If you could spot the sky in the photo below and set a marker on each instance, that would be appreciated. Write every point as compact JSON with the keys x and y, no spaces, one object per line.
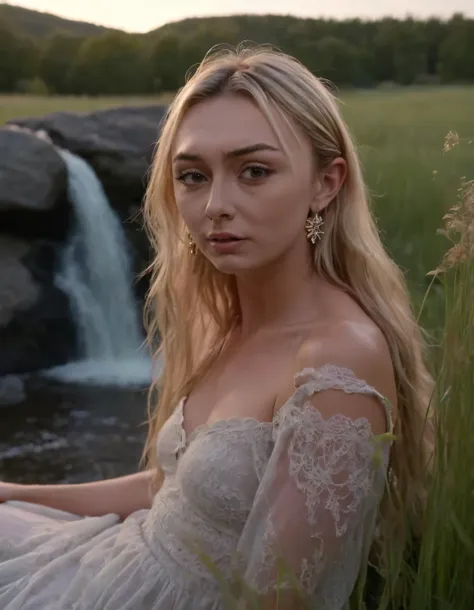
{"x":145,"y":15}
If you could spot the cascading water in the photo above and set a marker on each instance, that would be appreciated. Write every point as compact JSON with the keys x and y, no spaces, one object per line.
{"x":96,"y":275}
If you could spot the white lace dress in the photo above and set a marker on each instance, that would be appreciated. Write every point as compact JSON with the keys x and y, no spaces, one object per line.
{"x":239,"y":493}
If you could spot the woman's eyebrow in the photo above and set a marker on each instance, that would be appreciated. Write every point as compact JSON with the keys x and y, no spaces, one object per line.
{"x":238,"y":152}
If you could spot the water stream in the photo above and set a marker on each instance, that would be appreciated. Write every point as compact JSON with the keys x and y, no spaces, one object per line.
{"x":96,"y":275}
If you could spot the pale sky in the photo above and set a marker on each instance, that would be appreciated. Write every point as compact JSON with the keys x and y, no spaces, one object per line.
{"x":145,"y":15}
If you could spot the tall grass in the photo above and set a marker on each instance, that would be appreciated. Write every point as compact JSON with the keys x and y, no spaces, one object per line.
{"x":444,"y":575}
{"x":400,"y":135}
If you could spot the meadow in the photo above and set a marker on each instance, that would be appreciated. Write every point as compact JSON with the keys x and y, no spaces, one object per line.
{"x":414,"y":181}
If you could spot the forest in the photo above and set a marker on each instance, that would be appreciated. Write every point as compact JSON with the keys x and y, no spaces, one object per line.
{"x":42,"y":54}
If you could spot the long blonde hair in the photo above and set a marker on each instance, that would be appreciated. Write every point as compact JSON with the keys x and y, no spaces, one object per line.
{"x":194,"y":307}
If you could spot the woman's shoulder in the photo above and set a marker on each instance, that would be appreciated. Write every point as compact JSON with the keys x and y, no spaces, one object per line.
{"x":354,"y":343}
{"x":353,"y":346}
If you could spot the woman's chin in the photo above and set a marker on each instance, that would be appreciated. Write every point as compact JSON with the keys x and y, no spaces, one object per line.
{"x":228,"y":267}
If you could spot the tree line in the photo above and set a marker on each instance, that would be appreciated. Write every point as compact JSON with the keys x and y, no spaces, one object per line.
{"x":351,"y":53}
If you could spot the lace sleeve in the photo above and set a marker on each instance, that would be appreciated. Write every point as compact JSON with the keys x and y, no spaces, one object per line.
{"x":315,"y":509}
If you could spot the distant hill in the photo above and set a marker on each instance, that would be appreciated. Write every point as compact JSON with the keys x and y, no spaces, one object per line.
{"x":254,"y":27}
{"x":40,"y":25}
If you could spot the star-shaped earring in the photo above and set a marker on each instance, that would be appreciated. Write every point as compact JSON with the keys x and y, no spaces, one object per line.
{"x":313,"y":228}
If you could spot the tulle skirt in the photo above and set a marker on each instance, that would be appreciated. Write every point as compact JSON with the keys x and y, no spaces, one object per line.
{"x":54,"y":560}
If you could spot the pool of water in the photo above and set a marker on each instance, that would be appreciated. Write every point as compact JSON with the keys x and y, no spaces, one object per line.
{"x":66,"y":433}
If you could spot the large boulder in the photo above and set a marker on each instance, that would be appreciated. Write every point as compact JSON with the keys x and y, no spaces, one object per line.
{"x":118,"y":143}
{"x":33,"y":187}
{"x":32,"y":175}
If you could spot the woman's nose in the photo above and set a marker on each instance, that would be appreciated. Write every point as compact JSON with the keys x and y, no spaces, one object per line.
{"x":218,"y":203}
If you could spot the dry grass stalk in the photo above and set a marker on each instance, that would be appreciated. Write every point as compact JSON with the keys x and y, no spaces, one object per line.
{"x":450,"y":141}
{"x":459,"y":221}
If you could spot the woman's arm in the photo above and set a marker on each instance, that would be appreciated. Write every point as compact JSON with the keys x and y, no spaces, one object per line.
{"x":122,"y":495}
{"x":313,"y":519}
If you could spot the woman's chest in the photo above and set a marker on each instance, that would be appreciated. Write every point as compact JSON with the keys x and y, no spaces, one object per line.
{"x":245,"y":383}
{"x":218,"y":472}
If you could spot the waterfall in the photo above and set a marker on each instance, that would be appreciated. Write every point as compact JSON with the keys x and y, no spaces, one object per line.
{"x":95,"y":273}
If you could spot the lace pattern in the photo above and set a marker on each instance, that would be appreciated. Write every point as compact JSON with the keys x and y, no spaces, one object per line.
{"x":339,"y":469}
{"x":330,"y":377}
{"x":325,"y":474}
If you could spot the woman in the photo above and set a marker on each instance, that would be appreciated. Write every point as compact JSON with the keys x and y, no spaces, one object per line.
{"x":289,"y":352}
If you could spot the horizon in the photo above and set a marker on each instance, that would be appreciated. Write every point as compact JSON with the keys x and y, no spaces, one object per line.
{"x":107,"y":14}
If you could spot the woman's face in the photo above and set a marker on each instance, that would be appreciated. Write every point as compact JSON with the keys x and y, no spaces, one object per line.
{"x":232,"y":175}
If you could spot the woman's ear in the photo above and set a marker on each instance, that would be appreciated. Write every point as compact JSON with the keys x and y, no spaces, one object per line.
{"x":329,"y":183}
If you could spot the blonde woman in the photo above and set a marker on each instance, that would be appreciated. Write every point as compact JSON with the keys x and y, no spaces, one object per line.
{"x":290,"y":356}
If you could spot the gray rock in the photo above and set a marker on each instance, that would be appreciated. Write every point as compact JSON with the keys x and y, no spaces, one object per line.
{"x":32,"y":174}
{"x":12,"y":390}
{"x":36,"y":327}
{"x":18,"y":291}
{"x":40,"y":338}
{"x":118,"y":143}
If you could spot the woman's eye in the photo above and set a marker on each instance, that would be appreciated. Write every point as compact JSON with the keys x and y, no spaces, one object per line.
{"x":191,"y":178}
{"x":255,"y":172}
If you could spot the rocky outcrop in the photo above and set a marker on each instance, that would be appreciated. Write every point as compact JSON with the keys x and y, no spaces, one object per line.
{"x":118,"y":143}
{"x":35,"y":321}
{"x":36,"y":329}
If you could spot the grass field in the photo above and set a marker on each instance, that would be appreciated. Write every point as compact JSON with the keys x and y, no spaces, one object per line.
{"x":413,"y":183}
{"x":400,"y":134}
{"x":15,"y":106}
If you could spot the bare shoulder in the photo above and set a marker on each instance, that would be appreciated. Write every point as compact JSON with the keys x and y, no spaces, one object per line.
{"x":360,"y":347}
{"x":356,"y":345}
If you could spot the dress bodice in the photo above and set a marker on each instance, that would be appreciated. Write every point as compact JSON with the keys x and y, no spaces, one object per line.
{"x":211,"y":480}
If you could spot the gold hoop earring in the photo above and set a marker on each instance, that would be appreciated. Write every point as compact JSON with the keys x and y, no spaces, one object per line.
{"x":313,"y":228}
{"x":191,"y":244}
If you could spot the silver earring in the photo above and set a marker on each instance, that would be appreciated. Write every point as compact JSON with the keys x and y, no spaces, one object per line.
{"x":313,"y":228}
{"x":191,"y":244}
